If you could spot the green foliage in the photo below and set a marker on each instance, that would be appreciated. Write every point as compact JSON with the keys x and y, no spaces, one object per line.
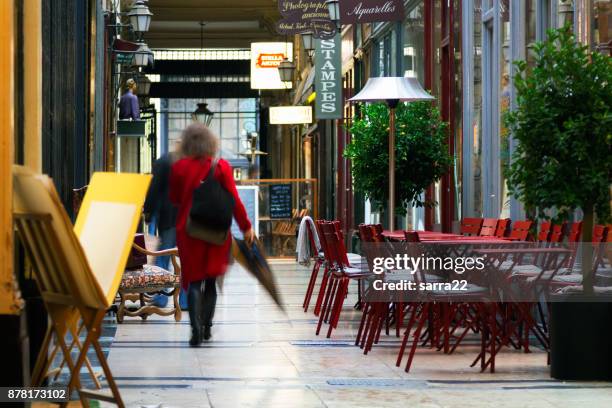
{"x":421,"y":153}
{"x":563,"y":127}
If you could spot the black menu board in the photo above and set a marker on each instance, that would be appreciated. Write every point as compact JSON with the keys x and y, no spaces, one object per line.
{"x":280,"y":200}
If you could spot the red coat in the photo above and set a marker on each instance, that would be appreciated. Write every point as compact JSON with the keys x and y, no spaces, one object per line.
{"x":200,"y":259}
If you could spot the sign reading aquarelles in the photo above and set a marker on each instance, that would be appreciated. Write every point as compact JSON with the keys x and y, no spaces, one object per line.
{"x":369,"y":11}
{"x":302,"y":16}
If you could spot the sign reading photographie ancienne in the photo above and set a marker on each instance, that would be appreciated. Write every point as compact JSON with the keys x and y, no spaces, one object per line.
{"x":328,"y":78}
{"x":370,"y":11}
{"x":299,"y":16}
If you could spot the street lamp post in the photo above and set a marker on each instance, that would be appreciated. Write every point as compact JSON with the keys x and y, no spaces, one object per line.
{"x":286,"y":70}
{"x":333,"y":6}
{"x":309,"y":45}
{"x":392,"y":90}
{"x":202,"y":114}
{"x":140,"y":17}
{"x":142,"y":55}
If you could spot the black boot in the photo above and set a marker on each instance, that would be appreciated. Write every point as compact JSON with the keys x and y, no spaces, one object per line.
{"x":194,"y":297}
{"x":209,"y":301}
{"x":206,"y":332}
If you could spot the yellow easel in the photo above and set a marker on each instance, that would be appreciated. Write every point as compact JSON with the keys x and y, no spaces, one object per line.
{"x":67,"y":281}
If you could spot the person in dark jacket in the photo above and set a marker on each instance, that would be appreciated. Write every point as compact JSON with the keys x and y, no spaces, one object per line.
{"x":129,"y":107}
{"x":158,"y":207}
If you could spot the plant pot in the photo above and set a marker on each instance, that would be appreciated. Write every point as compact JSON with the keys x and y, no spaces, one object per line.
{"x":580,"y":334}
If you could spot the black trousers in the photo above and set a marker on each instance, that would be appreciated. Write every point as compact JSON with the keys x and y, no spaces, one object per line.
{"x":202,"y":299}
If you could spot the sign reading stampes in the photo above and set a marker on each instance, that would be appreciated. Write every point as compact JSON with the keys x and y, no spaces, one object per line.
{"x":369,"y":11}
{"x":328,"y":78}
{"x":299,"y":16}
{"x":265,"y":58}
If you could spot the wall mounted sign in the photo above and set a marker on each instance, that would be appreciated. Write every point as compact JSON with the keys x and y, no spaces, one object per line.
{"x":299,"y":16}
{"x":280,"y":200}
{"x":265,"y":57}
{"x":369,"y":11}
{"x":290,"y":115}
{"x":328,"y":78}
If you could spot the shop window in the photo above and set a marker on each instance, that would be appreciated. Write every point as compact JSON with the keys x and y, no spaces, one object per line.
{"x":232,"y":116}
{"x":413,"y":47}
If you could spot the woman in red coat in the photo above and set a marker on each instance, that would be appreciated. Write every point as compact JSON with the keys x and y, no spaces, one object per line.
{"x":202,"y":262}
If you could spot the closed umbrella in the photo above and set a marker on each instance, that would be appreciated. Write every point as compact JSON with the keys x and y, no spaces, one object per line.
{"x":253,"y":259}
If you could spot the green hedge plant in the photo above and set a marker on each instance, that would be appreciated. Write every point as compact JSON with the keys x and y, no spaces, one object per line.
{"x":421,"y":152}
{"x":563,"y":127}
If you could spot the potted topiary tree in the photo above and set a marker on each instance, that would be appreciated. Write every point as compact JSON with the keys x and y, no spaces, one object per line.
{"x":563,"y":160}
{"x":420,"y":149}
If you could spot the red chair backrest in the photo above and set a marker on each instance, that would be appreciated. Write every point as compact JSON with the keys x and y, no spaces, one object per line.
{"x":333,"y":245}
{"x":320,"y":230}
{"x":503,"y":226}
{"x":575,"y":232}
{"x":471,"y":226}
{"x":377,"y":232}
{"x":365,"y":233}
{"x":412,"y":236}
{"x":573,"y":237}
{"x":544,"y":233}
{"x":557,"y":232}
{"x":378,"y":228}
{"x":600,"y":233}
{"x":520,"y":230}
{"x":489,"y":227}
{"x":341,"y":247}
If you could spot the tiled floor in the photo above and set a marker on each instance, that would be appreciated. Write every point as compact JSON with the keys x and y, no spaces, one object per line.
{"x":260,"y":357}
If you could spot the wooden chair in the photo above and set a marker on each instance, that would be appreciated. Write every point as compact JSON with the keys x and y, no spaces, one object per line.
{"x":142,"y":278}
{"x":66,"y":283}
{"x":470,"y":226}
{"x":284,"y":233}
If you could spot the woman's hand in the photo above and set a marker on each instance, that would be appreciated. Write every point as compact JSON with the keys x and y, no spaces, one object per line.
{"x":249,"y":236}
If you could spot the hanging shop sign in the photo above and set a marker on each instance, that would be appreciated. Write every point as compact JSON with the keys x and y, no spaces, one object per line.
{"x":290,"y":115}
{"x":299,"y":16}
{"x":328,"y":78}
{"x":265,"y":58}
{"x":369,"y":11}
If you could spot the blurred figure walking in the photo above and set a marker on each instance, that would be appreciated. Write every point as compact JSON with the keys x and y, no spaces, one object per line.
{"x":162,"y":211}
{"x":201,"y":261}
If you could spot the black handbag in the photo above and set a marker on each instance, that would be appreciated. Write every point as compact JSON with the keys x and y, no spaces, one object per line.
{"x":212,"y":209}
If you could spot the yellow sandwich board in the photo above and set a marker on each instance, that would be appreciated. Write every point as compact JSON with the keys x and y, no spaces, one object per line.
{"x":107,"y":222}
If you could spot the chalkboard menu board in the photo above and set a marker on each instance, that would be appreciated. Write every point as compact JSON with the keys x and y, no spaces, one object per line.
{"x":250,"y":198}
{"x":280,"y":200}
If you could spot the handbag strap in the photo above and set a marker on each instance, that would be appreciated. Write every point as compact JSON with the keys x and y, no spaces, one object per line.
{"x":211,"y":172}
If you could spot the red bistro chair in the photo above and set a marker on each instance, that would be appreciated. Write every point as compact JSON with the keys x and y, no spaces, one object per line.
{"x":489,"y":227}
{"x":340,"y":275}
{"x":471,"y":226}
{"x":520,"y":230}
{"x":503,"y":226}
{"x":319,"y":260}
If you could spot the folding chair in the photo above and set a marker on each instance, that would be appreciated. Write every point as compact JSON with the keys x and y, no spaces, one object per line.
{"x":65,"y":280}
